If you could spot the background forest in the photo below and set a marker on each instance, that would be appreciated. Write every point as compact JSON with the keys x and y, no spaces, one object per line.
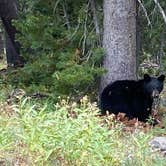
{"x":62,"y":45}
{"x":49,"y":111}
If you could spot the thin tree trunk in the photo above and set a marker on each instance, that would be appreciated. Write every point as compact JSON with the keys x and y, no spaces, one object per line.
{"x":1,"y":41}
{"x":66,"y":15}
{"x":9,"y":11}
{"x":119,"y":40}
{"x":138,"y":36}
{"x":93,"y":8}
{"x":95,"y":19}
{"x":161,"y":51}
{"x":12,"y":47}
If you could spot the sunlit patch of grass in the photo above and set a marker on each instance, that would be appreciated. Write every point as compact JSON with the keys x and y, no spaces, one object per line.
{"x":69,"y":134}
{"x":3,"y":63}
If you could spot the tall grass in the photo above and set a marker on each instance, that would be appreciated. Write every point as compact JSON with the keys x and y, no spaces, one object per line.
{"x":69,"y":134}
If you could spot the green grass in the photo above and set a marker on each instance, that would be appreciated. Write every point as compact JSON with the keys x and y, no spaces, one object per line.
{"x":69,"y":134}
{"x":3,"y":61}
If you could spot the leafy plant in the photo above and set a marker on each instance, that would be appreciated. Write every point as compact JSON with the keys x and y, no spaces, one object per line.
{"x":60,"y":46}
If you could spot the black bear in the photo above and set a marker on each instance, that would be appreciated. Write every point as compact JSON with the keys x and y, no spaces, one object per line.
{"x":134,"y":98}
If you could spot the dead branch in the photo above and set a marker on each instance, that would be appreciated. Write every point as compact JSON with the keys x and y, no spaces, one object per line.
{"x":65,"y":14}
{"x":145,"y":11}
{"x":161,"y":10}
{"x":96,"y":23}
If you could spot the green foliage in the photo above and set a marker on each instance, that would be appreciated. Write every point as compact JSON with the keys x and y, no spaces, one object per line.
{"x":63,"y":52}
{"x":69,"y":134}
{"x":60,"y":46}
{"x":152,"y":36}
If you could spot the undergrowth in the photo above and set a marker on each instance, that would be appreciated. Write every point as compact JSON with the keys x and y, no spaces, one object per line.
{"x":66,"y":133}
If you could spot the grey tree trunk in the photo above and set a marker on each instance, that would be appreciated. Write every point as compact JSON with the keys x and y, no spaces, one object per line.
{"x":119,"y":40}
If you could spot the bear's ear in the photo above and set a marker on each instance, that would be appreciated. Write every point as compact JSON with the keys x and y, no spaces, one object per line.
{"x":161,"y":78}
{"x":147,"y":77}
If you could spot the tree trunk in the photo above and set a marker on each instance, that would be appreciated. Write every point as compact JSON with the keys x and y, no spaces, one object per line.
{"x":1,"y":42}
{"x":138,"y":37}
{"x":119,"y":40}
{"x":93,"y":8}
{"x":95,"y":19}
{"x":12,"y":47}
{"x":8,"y":11}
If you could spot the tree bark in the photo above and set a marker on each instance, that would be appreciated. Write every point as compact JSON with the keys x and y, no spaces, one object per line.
{"x":119,"y":40}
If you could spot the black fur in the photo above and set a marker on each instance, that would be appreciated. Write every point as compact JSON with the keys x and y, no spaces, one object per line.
{"x":134,"y":98}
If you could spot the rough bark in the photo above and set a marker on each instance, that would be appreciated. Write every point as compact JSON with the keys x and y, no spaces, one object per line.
{"x":119,"y":40}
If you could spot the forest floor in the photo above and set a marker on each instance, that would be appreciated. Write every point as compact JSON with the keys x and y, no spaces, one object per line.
{"x":34,"y":130}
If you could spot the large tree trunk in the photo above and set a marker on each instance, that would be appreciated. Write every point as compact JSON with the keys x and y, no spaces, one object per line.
{"x":119,"y":40}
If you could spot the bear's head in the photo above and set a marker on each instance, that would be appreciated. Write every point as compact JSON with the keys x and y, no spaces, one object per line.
{"x":153,"y":86}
